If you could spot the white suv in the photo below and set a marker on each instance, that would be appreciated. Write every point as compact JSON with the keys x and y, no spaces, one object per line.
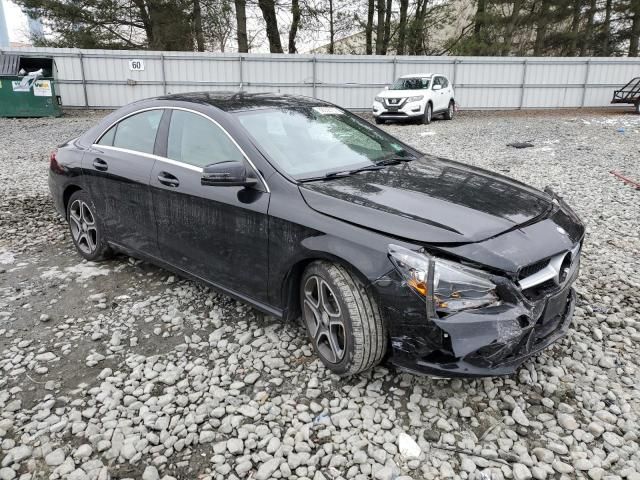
{"x":417,"y":96}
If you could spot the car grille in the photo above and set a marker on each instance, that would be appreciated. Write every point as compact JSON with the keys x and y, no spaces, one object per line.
{"x":533,"y":268}
{"x":550,"y":274}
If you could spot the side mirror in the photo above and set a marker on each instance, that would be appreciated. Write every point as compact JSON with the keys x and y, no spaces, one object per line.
{"x":437,"y":87}
{"x":227,"y":174}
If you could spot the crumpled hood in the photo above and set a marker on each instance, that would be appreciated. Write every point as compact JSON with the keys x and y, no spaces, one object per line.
{"x":429,"y":200}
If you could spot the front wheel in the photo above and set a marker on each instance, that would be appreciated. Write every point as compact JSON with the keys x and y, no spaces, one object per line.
{"x":428,"y":114}
{"x":448,"y":115}
{"x":342,"y":319}
{"x":638,"y":108}
{"x":86,"y":228}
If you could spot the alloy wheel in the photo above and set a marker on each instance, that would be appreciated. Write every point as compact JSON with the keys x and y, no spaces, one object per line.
{"x":83,"y":227}
{"x":323,"y":316}
{"x":450,"y":110}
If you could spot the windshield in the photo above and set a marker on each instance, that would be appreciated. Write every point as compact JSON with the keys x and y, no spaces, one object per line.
{"x":309,"y":142}
{"x":417,"y":83}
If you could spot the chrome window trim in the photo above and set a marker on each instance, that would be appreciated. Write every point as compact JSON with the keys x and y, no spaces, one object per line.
{"x":148,"y":155}
{"x":169,"y":160}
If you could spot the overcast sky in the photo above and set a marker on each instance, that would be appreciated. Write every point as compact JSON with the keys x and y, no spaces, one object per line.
{"x":16,"y":22}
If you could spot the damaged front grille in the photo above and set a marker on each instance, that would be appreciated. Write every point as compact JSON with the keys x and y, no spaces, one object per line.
{"x":533,"y":268}
{"x":548,"y":274}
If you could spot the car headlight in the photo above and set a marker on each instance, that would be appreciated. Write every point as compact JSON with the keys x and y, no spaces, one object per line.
{"x":447,"y":287}
{"x":378,"y":99}
{"x":415,"y":99}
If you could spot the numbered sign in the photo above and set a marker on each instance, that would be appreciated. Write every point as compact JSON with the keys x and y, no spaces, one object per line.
{"x":136,"y":65}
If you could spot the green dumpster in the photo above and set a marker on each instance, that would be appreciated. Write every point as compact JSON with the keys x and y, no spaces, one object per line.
{"x":28,"y":87}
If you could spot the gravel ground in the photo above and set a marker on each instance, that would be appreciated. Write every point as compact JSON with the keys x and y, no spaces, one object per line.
{"x":121,"y":370}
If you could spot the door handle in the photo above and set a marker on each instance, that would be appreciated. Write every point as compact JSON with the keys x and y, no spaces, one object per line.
{"x":167,"y":179}
{"x":100,"y":164}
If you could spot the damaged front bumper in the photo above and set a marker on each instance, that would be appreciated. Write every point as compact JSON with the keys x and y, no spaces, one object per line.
{"x":491,"y":341}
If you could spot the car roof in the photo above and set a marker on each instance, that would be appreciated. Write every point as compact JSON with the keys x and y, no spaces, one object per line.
{"x":238,"y":101}
{"x":421,"y":75}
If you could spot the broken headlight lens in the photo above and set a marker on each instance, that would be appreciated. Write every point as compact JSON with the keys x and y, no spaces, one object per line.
{"x":448,"y":287}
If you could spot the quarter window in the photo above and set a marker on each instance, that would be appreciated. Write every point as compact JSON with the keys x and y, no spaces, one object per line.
{"x":195,"y":140}
{"x":137,"y":132}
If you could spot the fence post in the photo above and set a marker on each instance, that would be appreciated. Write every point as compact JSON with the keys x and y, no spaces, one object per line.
{"x":395,"y":64}
{"x":455,"y":71}
{"x":164,"y":78}
{"x":314,"y":76}
{"x":84,"y":82}
{"x":241,"y":75}
{"x":523,"y":84}
{"x":584,"y":85}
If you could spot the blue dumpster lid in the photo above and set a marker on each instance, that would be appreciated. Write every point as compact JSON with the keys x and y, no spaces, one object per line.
{"x":9,"y":64}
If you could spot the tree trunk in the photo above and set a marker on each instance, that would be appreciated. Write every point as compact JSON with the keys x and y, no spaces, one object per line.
{"x":511,"y":26}
{"x":332,"y":45}
{"x":635,"y":28}
{"x":146,"y":21}
{"x":197,"y":25}
{"x":295,"y":22}
{"x":478,"y":27}
{"x":541,"y":28}
{"x":606,"y":29}
{"x":572,"y":48}
{"x":402,"y":26}
{"x":585,"y":48}
{"x":369,"y":27}
{"x":268,"y":8}
{"x":380,"y":28}
{"x":241,"y":26}
{"x":387,"y":28}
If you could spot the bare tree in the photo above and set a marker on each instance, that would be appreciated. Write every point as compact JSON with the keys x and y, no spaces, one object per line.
{"x":402,"y":27}
{"x":380,"y":27}
{"x":268,"y":8}
{"x":295,"y":23}
{"x":387,"y":27}
{"x":369,"y":27}
{"x":241,"y":25}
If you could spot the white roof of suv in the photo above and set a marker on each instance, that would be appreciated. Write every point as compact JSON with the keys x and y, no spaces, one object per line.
{"x":422,"y":75}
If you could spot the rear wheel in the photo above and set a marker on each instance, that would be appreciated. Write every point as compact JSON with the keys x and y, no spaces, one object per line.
{"x":86,"y":228}
{"x":428,"y":114}
{"x":638,"y":107}
{"x":448,"y":115}
{"x":342,"y":319}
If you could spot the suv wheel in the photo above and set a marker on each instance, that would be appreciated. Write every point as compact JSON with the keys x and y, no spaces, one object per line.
{"x":86,"y":228}
{"x":428,"y":114}
{"x":638,"y":107}
{"x":379,"y":121}
{"x":448,"y":115}
{"x":342,"y":319}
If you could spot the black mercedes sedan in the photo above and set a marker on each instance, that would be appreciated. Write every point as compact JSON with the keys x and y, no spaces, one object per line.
{"x":305,"y":210}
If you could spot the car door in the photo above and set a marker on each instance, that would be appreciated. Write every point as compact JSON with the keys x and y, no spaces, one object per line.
{"x":439,"y":101}
{"x":117,"y":168}
{"x":217,"y":233}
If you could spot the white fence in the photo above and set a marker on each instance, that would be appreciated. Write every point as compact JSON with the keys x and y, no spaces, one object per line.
{"x":104,"y":78}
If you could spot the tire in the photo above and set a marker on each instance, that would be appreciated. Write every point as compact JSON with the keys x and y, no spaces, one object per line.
{"x":342,"y":319}
{"x":379,"y":121}
{"x":86,"y":228}
{"x":428,"y":114}
{"x":637,"y":108}
{"x":448,"y":115}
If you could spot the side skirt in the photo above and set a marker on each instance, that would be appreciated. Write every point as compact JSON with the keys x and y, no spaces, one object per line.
{"x":263,"y":307}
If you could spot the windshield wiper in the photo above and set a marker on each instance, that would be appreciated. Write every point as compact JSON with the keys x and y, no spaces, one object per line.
{"x":379,"y":165}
